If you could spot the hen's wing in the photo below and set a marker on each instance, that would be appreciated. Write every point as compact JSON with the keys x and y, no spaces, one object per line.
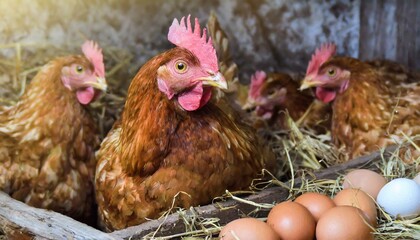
{"x":15,"y":175}
{"x":406,"y":108}
{"x":404,"y":88}
{"x":67,"y":173}
{"x":16,"y":172}
{"x":109,"y":173}
{"x":7,"y":145}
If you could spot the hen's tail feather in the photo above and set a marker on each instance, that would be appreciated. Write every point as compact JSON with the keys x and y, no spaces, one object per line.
{"x":236,"y":92}
{"x":221,"y":43}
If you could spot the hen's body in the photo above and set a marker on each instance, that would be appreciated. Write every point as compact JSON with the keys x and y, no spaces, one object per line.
{"x":47,"y":143}
{"x":158,"y":150}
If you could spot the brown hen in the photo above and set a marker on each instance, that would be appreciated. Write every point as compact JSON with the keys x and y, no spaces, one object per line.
{"x":274,"y":94}
{"x":375,"y":103}
{"x":48,"y":139}
{"x":172,"y":143}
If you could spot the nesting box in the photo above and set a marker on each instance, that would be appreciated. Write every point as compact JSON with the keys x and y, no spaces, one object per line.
{"x":277,"y":35}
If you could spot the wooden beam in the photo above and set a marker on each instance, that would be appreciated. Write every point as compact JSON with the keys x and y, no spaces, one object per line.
{"x":408,"y":32}
{"x":20,"y":221}
{"x":230,"y":209}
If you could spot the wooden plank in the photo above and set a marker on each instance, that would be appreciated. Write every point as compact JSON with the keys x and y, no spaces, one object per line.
{"x":230,"y":210}
{"x":390,"y":29}
{"x":20,"y":221}
{"x":408,"y":34}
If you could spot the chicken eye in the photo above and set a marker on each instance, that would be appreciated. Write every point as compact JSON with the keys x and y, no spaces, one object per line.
{"x":331,"y":72}
{"x":271,"y":92}
{"x":79,"y":69}
{"x":181,"y":66}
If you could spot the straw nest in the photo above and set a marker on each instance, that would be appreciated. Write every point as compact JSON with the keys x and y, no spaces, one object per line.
{"x":302,"y":150}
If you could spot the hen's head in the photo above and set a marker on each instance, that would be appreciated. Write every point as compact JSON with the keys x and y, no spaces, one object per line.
{"x":192,"y":70}
{"x":85,"y":75}
{"x":328,"y":77}
{"x":267,"y":93}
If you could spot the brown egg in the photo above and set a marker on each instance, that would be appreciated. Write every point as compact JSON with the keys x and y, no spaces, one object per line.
{"x":343,"y":222}
{"x":247,"y":229}
{"x":292,"y":221}
{"x":357,"y":198}
{"x":316,"y":203}
{"x":368,"y":181}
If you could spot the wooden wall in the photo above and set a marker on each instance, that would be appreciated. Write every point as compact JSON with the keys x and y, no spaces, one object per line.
{"x":271,"y":35}
{"x":390,"y":29}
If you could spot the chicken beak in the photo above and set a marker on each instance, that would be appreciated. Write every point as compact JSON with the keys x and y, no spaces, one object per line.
{"x":99,"y":84}
{"x":215,"y":80}
{"x":308,"y":82}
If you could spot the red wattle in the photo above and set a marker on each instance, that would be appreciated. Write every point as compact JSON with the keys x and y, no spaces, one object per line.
{"x":326,"y":95}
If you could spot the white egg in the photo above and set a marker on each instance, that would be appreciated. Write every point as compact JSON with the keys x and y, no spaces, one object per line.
{"x":400,"y":198}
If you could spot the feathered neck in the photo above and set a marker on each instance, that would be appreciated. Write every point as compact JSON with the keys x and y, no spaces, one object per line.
{"x":148,"y":119}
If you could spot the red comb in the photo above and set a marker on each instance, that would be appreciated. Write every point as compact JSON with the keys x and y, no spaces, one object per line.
{"x":257,"y":81}
{"x":320,"y":56}
{"x":184,"y":36}
{"x":92,"y":52}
